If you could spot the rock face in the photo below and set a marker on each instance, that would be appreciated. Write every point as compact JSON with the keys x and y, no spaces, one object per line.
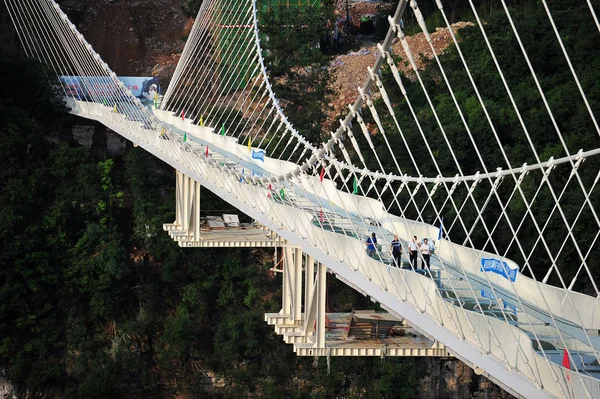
{"x":136,"y":38}
{"x":452,"y":379}
{"x":350,"y":69}
{"x":103,"y":141}
{"x":7,"y":389}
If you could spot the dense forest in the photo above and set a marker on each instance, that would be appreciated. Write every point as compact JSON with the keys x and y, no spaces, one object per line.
{"x":455,"y":149}
{"x":97,"y":301}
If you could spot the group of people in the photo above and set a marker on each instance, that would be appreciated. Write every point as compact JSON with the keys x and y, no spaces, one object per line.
{"x":414,"y":248}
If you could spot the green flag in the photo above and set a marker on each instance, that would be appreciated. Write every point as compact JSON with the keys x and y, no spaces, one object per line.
{"x":282,"y":193}
{"x":223,"y":130}
{"x":355,"y":186}
{"x":184,"y":137}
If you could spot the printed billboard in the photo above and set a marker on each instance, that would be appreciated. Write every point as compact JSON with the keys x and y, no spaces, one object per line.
{"x":101,"y":88}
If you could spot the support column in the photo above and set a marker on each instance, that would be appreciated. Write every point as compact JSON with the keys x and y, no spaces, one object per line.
{"x":321,"y":293}
{"x":185,"y":188}
{"x":196,"y":212}
{"x":314,"y":320}
{"x":187,"y":228}
{"x":179,"y":208}
{"x":288,"y":273}
{"x":309,"y":281}
{"x":297,"y":287}
{"x":187,"y":206}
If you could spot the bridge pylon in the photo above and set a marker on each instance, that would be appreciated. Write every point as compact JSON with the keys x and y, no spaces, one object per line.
{"x":315,"y":332}
{"x":190,"y":229}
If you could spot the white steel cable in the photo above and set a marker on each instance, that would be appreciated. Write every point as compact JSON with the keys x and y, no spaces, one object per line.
{"x":522,"y":124}
{"x":230,"y":52}
{"x":193,"y":40}
{"x":575,"y":243}
{"x":231,"y":78}
{"x":190,"y":59}
{"x":565,"y":241}
{"x":244,"y":96}
{"x":568,"y":59}
{"x":196,"y":76}
{"x":208,"y":79}
{"x":589,"y":3}
{"x":451,"y":92}
{"x":415,"y":69}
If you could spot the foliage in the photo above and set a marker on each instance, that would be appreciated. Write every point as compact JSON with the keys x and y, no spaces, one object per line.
{"x":294,"y":41}
{"x":191,"y":7}
{"x":563,"y":98}
{"x":96,"y":300}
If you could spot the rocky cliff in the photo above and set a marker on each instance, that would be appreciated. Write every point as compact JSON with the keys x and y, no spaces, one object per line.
{"x":136,"y":38}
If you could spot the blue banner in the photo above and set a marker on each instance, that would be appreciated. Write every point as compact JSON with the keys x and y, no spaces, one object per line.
{"x":487,"y":295}
{"x":507,"y":305}
{"x":259,"y":155}
{"x":499,"y":267}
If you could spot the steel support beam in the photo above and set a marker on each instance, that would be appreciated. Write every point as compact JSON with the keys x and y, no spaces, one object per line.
{"x":297,"y":286}
{"x":321,"y":298}
{"x":187,"y":207}
{"x":186,"y":229}
{"x":309,"y":280}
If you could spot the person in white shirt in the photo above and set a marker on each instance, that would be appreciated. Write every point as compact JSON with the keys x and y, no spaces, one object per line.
{"x":425,"y":249}
{"x":413,"y":248}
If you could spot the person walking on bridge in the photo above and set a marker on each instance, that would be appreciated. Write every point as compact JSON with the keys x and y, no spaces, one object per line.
{"x":426,"y":250}
{"x":371,"y":242}
{"x":413,"y":248}
{"x":397,"y":251}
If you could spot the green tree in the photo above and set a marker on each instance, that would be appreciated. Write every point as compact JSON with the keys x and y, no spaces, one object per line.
{"x":297,"y":64}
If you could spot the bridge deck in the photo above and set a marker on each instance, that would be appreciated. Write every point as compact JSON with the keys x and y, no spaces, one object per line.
{"x":454,"y":284}
{"x":340,"y":242}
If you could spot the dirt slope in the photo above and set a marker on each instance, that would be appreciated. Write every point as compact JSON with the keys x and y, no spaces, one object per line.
{"x":351,"y":69}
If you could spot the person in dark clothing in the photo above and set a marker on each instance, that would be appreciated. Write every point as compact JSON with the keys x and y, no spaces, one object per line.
{"x":397,"y":251}
{"x":371,"y":242}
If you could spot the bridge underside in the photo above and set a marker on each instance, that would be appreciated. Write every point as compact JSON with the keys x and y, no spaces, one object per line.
{"x":360,"y":333}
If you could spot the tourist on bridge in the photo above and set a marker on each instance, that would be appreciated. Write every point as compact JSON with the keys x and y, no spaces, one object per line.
{"x":426,"y":249}
{"x":397,"y":251}
{"x":371,"y":242}
{"x":413,"y":248}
